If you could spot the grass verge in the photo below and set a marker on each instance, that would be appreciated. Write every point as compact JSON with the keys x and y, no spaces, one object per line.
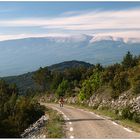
{"x":55,"y":124}
{"x":131,"y":124}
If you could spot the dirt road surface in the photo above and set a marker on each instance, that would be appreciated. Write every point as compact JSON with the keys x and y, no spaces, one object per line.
{"x":85,"y":124}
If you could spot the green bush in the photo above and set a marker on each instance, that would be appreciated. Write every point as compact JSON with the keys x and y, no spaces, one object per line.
{"x":85,"y":91}
{"x":129,"y":61}
{"x":115,"y":94}
{"x":136,"y":87}
{"x":16,"y":112}
{"x":136,"y":84}
{"x":126,"y":114}
{"x":62,"y":88}
{"x":136,"y":117}
{"x":120,"y":83}
{"x":90,"y":86}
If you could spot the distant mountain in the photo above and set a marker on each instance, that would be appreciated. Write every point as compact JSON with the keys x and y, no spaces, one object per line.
{"x":25,"y":81}
{"x":68,"y":64}
{"x":28,"y":54}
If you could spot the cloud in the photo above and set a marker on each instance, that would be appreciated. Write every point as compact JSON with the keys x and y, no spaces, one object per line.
{"x":98,"y":20}
{"x":123,"y":34}
{"x":19,"y":36}
{"x":85,"y":22}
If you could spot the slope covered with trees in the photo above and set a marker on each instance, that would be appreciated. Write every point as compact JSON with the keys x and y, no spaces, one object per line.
{"x":119,"y":77}
{"x":16,"y":112}
{"x":25,"y":82}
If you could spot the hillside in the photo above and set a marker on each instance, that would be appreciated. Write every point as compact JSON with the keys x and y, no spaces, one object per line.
{"x":68,"y":64}
{"x":25,"y":81}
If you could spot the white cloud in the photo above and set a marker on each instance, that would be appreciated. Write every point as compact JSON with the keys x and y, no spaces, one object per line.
{"x":88,"y":20}
{"x":123,"y":34}
{"x":93,"y":20}
{"x":84,"y":22}
{"x":19,"y":36}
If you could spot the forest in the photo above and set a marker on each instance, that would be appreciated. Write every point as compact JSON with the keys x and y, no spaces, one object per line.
{"x":118,"y":77}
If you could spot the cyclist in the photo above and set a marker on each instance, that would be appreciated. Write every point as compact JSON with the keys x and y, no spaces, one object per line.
{"x":61,"y":101}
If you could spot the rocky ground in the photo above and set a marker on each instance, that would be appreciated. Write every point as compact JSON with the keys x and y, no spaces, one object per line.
{"x":36,"y":130}
{"x":97,"y":101}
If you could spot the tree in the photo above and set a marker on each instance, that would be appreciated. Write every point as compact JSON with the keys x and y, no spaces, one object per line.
{"x":136,"y":83}
{"x":86,"y":90}
{"x":110,"y":72}
{"x":74,"y":73}
{"x":16,"y":112}
{"x":13,"y":88}
{"x":4,"y":91}
{"x":62,"y":88}
{"x":98,"y":67}
{"x":120,"y":83}
{"x":129,"y":61}
{"x":41,"y":77}
{"x":90,"y":86}
{"x":57,"y":78}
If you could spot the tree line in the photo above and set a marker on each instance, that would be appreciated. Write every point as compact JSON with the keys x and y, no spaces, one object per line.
{"x":118,"y":77}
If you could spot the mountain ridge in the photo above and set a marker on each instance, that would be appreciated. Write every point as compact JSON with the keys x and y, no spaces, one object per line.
{"x":25,"y":81}
{"x":81,"y":37}
{"x":23,"y":55}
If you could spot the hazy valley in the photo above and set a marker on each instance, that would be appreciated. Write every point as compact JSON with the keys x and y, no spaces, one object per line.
{"x":40,"y":52}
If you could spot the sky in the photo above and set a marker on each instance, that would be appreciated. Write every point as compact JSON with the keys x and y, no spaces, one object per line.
{"x":40,"y":19}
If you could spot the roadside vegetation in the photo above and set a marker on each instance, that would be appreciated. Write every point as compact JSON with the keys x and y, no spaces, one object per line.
{"x":55,"y":125}
{"x":16,"y":112}
{"x":118,"y":77}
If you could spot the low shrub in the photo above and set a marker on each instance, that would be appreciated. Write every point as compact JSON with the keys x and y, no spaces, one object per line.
{"x":136,"y":87}
{"x":136,"y":117}
{"x":126,"y":114}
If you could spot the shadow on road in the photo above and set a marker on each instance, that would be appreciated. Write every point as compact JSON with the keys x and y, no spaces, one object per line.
{"x":75,"y":120}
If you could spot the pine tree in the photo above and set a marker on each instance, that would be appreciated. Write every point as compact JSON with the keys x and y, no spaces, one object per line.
{"x":129,"y":61}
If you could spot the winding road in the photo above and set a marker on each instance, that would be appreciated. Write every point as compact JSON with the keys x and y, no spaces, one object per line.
{"x":85,"y":124}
